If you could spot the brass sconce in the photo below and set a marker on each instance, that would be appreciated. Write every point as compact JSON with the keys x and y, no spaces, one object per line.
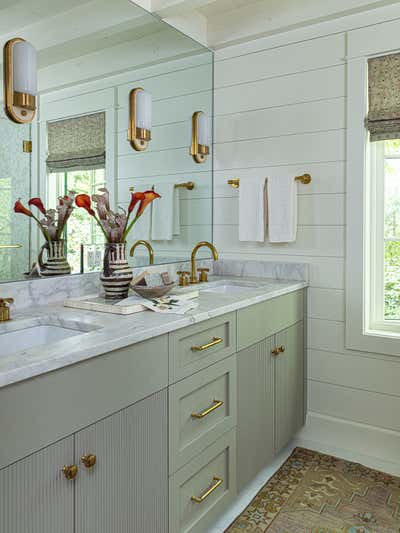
{"x":140,"y":108}
{"x":199,"y":148}
{"x":20,"y":80}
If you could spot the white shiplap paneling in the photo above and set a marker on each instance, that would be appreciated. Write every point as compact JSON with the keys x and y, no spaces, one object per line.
{"x":279,"y":111}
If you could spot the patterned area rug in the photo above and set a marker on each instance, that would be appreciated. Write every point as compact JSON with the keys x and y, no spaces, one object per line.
{"x":317,"y":493}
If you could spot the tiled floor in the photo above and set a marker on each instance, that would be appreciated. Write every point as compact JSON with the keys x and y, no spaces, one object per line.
{"x":245,"y":497}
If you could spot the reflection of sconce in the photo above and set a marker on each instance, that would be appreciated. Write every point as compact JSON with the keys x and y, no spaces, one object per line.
{"x":20,"y":80}
{"x":139,"y":132}
{"x":200,"y":137}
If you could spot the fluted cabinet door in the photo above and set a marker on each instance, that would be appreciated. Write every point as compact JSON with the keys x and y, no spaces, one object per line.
{"x":255,"y":400}
{"x":127,"y":489}
{"x":289,"y":385}
{"x":35,"y":497}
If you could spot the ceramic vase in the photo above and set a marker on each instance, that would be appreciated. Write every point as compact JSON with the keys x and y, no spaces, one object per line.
{"x":117,"y":274}
{"x":56,"y":263}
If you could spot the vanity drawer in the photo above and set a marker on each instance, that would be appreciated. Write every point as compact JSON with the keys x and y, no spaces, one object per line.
{"x":201,"y":490}
{"x":259,"y":321}
{"x":193,"y":348}
{"x":201,"y":409}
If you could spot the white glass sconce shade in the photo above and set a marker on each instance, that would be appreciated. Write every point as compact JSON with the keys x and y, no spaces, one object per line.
{"x":200,"y":141}
{"x":203,"y":131}
{"x":143,"y":110}
{"x":24,"y":68}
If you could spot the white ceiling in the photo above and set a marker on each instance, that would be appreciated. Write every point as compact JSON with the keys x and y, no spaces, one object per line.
{"x":219,"y":23}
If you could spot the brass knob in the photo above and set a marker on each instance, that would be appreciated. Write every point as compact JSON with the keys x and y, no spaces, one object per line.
{"x":275,"y":351}
{"x":203,"y":274}
{"x":281,"y":348}
{"x":89,"y":460}
{"x":70,"y":472}
{"x":183,"y":278}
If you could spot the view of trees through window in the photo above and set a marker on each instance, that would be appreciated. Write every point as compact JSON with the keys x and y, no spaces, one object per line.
{"x":392,"y":229}
{"x":81,"y":228}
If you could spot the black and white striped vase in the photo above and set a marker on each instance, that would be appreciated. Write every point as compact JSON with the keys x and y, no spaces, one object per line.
{"x":56,"y":263}
{"x":117,"y":274}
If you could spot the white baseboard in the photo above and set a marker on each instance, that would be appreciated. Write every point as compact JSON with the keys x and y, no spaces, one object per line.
{"x":375,"y":447}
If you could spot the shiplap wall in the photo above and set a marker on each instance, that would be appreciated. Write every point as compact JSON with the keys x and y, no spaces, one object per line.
{"x":281,"y":110}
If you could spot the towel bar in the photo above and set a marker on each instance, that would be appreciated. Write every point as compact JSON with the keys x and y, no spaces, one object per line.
{"x":189,"y":185}
{"x":305,"y":179}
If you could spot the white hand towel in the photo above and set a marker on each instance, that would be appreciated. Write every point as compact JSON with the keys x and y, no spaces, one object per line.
{"x":166,"y":213}
{"x":282,"y":209}
{"x":252,"y":210}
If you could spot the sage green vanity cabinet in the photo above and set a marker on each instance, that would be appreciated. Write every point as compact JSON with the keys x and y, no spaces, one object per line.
{"x":126,"y":491}
{"x":289,"y":385}
{"x":270,"y":396}
{"x":255,"y":400}
{"x":35,"y":497}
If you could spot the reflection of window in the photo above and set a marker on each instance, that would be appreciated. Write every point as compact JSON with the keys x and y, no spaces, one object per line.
{"x":385,"y":235}
{"x":76,"y":162}
{"x":81,"y":228}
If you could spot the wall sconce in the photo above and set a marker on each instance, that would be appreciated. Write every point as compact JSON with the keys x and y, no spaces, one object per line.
{"x":20,"y":80}
{"x":200,"y":137}
{"x":140,"y":108}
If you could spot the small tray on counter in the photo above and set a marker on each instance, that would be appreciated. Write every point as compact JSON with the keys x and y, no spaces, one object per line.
{"x":94,"y":302}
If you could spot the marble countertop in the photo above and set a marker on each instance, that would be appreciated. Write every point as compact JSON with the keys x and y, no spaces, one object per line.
{"x":104,"y":332}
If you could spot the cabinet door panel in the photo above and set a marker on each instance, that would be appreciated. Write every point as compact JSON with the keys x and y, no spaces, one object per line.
{"x":35,"y":497}
{"x":255,"y":431}
{"x":127,"y":490}
{"x":289,"y":385}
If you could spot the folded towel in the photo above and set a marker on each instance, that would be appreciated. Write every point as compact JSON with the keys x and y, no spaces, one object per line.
{"x":166,"y":213}
{"x":282,"y":209}
{"x":252,"y":209}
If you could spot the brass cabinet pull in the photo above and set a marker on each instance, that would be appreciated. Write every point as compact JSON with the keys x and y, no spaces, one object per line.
{"x":275,"y":351}
{"x":214,"y":342}
{"x":200,"y":499}
{"x":281,"y":348}
{"x":278,"y":349}
{"x":70,"y":472}
{"x":215,"y":405}
{"x":89,"y":460}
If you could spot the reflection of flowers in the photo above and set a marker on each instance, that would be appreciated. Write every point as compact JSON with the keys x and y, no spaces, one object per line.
{"x":115,"y":225}
{"x":54,"y":221}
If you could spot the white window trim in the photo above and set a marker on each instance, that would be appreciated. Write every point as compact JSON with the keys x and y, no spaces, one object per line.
{"x":358,"y":336}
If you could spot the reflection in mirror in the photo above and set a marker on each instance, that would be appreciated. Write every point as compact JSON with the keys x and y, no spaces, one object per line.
{"x":90,"y":57}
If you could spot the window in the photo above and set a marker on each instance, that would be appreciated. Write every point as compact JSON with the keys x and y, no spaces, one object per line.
{"x":76,"y":162}
{"x":81,"y":228}
{"x":372,"y":321}
{"x":384,"y":248}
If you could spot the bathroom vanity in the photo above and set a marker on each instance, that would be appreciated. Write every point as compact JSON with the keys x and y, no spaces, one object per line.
{"x":151,"y":423}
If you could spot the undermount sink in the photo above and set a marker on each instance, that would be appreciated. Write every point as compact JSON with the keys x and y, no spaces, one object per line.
{"x":231,"y":287}
{"x":33,"y":336}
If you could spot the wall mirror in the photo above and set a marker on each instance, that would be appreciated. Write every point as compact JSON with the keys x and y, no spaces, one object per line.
{"x":90,"y":130}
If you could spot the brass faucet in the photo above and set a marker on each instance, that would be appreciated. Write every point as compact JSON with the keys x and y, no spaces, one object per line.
{"x":146,"y":245}
{"x":4,"y":309}
{"x":193,"y":277}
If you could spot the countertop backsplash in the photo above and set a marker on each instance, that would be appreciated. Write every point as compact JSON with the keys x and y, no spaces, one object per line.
{"x":35,"y":292}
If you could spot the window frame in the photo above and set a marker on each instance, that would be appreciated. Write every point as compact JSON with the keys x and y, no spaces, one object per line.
{"x":359,"y":333}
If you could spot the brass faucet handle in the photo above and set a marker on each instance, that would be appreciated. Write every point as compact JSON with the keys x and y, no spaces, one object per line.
{"x":203,"y":274}
{"x":4,"y":301}
{"x":183,"y":278}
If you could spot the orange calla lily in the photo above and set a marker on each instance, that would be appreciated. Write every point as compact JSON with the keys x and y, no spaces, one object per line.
{"x":83,"y":200}
{"x":37,"y":202}
{"x":19,"y":208}
{"x":136,"y":197}
{"x":149,"y":196}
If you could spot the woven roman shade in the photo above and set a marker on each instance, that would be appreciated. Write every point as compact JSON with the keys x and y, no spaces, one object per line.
{"x":76,"y":143}
{"x":383,"y":121}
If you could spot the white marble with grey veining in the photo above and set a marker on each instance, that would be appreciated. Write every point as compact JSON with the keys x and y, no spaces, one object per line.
{"x":262,"y":269}
{"x":104,"y":332}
